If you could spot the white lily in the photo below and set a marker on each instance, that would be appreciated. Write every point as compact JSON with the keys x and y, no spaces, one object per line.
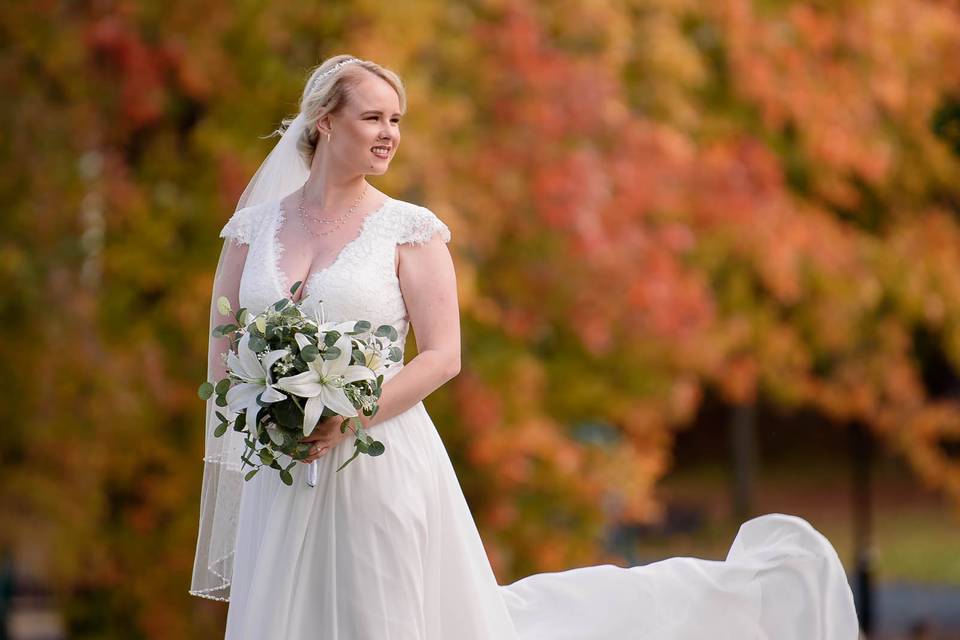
{"x":256,"y":379}
{"x":374,"y":358}
{"x":323,"y":382}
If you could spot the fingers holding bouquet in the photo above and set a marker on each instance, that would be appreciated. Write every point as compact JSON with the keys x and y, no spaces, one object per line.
{"x":325,"y":436}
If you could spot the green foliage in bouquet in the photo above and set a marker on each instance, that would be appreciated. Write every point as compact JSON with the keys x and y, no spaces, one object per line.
{"x":290,"y":371}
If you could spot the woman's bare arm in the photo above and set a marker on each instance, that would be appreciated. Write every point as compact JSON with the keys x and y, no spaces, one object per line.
{"x":429,"y":286}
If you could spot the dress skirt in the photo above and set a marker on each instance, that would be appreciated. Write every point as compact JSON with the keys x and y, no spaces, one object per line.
{"x":387,"y":549}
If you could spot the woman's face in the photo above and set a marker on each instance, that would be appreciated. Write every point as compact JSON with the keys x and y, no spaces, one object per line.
{"x":365,"y":134}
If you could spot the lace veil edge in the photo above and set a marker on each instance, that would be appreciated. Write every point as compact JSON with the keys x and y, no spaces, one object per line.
{"x":282,"y":172}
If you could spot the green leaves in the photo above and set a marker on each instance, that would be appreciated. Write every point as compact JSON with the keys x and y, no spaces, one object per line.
{"x":310,"y":353}
{"x":361,"y":326}
{"x":222,"y":427}
{"x":205,"y":391}
{"x":330,"y":338}
{"x":222,"y":330}
{"x":266,"y":456}
{"x":332,"y":353}
{"x":386,"y":331}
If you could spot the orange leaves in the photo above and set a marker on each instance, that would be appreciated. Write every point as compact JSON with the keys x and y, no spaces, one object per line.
{"x":733,"y":195}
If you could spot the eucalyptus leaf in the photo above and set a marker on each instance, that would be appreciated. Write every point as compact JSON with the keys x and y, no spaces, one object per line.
{"x":220,"y":430}
{"x":362,"y":326}
{"x":332,"y":353}
{"x":221,"y":401}
{"x":386,"y":331}
{"x":331,"y":337}
{"x":286,"y":477}
{"x":356,"y":452}
{"x":287,"y":414}
{"x":227,"y":328}
{"x":223,"y":386}
{"x":205,"y":391}
{"x":257,"y":343}
{"x":250,"y":474}
{"x":310,"y":353}
{"x":376,"y":448}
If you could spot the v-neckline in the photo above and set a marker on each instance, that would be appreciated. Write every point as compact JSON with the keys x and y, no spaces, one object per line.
{"x":280,"y":275}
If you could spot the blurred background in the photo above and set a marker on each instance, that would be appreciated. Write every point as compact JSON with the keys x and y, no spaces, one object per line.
{"x":708,"y":257}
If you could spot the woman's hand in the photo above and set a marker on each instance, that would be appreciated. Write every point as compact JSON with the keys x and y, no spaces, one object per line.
{"x":326,"y":435}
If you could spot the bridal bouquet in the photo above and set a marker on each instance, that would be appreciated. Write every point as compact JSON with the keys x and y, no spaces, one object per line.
{"x":286,"y":371}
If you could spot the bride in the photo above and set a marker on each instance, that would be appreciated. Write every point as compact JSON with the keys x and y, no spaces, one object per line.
{"x":387,"y":549}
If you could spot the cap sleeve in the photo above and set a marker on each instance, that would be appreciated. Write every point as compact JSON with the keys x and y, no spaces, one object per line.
{"x":419,"y":225}
{"x":239,"y":227}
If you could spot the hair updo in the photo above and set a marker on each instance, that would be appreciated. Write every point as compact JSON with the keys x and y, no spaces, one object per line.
{"x":329,"y":95}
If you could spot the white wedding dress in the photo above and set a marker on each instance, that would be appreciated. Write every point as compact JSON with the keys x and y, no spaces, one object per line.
{"x":387,"y":548}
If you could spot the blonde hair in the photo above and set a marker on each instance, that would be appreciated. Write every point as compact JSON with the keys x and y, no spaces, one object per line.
{"x":328,"y":94}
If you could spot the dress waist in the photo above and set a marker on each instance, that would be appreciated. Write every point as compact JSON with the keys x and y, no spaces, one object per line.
{"x":392,"y":370}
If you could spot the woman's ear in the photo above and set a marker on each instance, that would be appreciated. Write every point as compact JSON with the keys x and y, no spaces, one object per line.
{"x":323,"y":125}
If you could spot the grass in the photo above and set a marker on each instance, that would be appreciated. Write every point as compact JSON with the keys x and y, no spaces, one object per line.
{"x":916,"y":532}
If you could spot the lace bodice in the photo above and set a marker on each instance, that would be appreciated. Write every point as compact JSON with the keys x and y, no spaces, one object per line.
{"x":360,"y":284}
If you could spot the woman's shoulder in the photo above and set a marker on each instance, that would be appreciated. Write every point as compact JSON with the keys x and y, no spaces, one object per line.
{"x":245,"y":221}
{"x":414,"y":223}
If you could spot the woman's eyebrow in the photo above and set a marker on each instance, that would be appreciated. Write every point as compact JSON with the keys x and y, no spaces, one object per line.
{"x":376,"y":112}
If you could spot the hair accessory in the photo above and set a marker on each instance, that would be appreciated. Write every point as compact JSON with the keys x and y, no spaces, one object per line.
{"x":316,"y":81}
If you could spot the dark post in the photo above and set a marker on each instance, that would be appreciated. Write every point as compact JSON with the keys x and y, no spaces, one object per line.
{"x":744,"y":448}
{"x":861,"y":453}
